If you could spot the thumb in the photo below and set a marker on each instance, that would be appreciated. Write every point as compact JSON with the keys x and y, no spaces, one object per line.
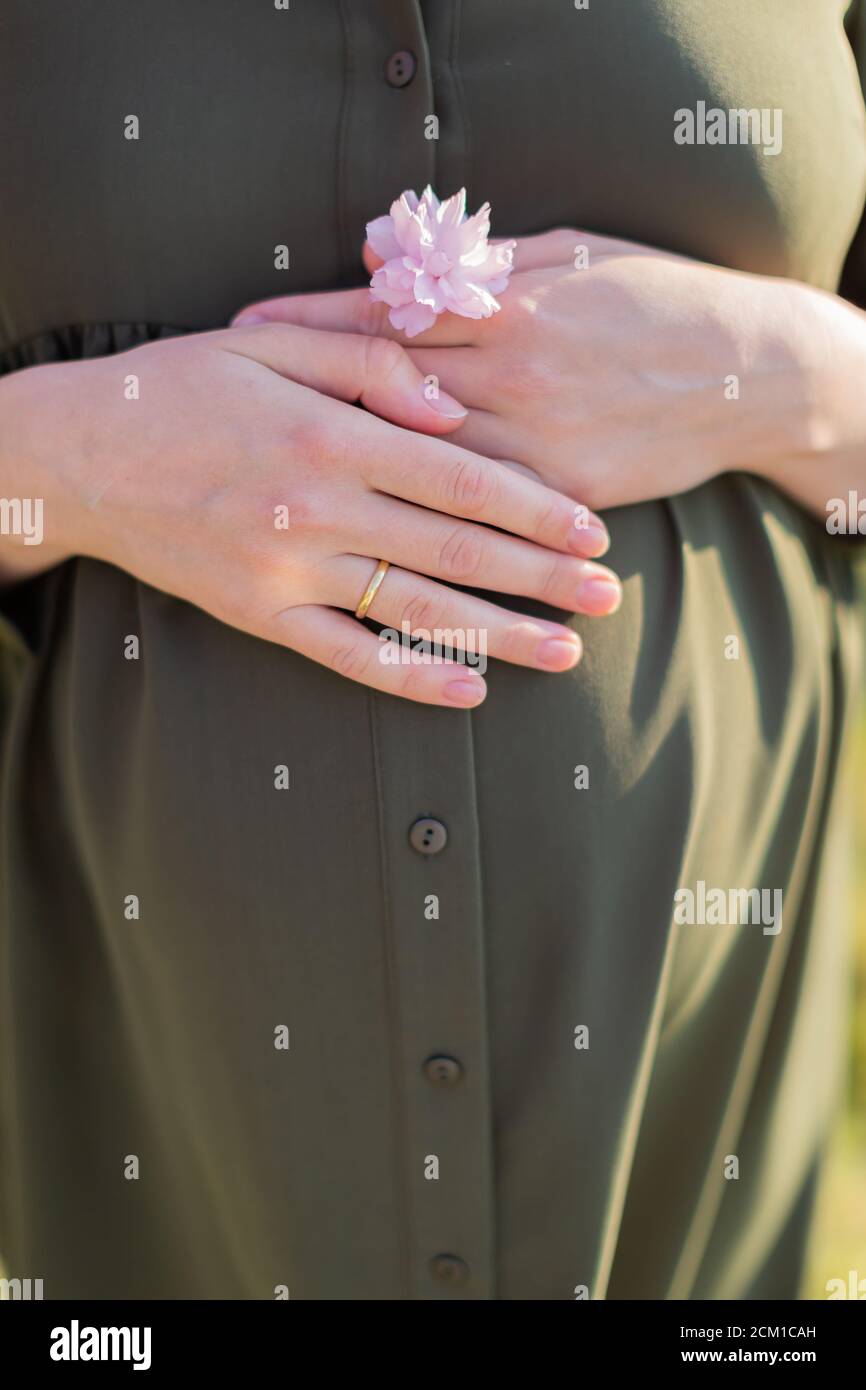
{"x":374,"y":372}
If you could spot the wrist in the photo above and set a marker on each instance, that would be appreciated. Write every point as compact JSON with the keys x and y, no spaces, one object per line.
{"x":39,"y":471}
{"x":822,"y":416}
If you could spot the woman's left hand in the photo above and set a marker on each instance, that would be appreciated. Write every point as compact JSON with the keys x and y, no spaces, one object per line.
{"x":639,"y":375}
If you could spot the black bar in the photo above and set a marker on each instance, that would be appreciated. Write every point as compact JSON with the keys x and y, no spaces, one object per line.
{"x":224,"y":1338}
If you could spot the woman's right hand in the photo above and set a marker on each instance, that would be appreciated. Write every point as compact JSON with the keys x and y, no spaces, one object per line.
{"x":179,"y":460}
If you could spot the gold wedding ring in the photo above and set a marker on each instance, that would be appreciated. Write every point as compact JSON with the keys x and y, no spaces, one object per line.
{"x":370,"y":592}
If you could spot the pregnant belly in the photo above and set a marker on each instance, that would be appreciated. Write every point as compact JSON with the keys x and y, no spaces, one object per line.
{"x":222,"y":787}
{"x":227,"y":826}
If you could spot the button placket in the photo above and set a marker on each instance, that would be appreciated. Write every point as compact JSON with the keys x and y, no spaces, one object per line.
{"x":388,"y":97}
{"x":438,"y":996}
{"x":425,"y":769}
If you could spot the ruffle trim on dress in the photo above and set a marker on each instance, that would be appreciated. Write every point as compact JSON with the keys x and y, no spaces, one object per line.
{"x":77,"y":341}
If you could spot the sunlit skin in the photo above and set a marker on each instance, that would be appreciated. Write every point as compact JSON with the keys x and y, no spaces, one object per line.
{"x":612,"y":374}
{"x":236,"y":429}
{"x":613,"y":381}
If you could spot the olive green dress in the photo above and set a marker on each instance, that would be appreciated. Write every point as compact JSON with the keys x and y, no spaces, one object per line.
{"x":335,"y":1056}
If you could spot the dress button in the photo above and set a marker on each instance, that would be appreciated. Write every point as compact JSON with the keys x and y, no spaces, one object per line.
{"x":443,"y":1071}
{"x":449,"y":1269}
{"x":428,"y":836}
{"x":400,"y":68}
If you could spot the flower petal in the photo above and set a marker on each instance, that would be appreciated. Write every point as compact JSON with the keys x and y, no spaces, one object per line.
{"x":380,"y":235}
{"x":430,"y":291}
{"x":390,"y":287}
{"x":452,"y":212}
{"x":412,"y":319}
{"x":475,"y":230}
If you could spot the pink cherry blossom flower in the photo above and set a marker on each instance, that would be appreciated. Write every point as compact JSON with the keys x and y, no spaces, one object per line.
{"x":436,"y":258}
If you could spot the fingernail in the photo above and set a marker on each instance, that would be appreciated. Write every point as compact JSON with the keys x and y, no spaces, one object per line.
{"x":590,"y":540}
{"x":244,"y":320}
{"x":599,"y":537}
{"x":559,"y":653}
{"x":604,"y":594}
{"x":446,"y":405}
{"x":465,"y":692}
